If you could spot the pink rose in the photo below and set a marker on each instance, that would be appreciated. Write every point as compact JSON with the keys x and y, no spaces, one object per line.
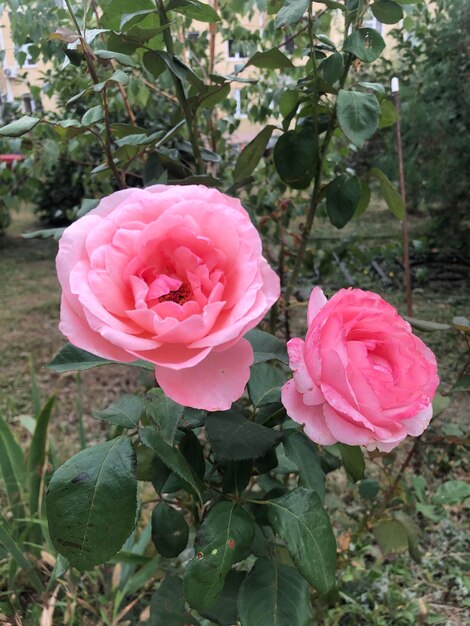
{"x":361,"y":377}
{"x":173,"y":275}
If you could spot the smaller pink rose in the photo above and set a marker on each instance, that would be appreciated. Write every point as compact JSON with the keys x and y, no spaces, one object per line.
{"x":361,"y":377}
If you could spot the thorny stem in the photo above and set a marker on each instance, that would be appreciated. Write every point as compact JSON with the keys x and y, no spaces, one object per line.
{"x":180,"y":94}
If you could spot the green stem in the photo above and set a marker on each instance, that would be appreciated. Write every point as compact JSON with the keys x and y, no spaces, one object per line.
{"x":316,"y":192}
{"x":179,"y":89}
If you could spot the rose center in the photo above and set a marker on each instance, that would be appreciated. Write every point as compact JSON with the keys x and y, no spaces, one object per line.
{"x":180,"y":295}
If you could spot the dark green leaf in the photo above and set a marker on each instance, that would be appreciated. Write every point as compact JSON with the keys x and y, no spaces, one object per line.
{"x":153,"y":63}
{"x":387,"y":11}
{"x":358,"y":115}
{"x":369,"y":488}
{"x":342,"y":198}
{"x":267,"y":347}
{"x":214,"y":95}
{"x":167,"y":607}
{"x":264,"y":386}
{"x":84,"y":523}
{"x":252,"y":153}
{"x":391,"y":196}
{"x":71,"y":359}
{"x":365,"y":43}
{"x":271,"y":60}
{"x":412,"y":532}
{"x":223,"y":539}
{"x":233,"y":437}
{"x":426,"y":325}
{"x":296,"y":157}
{"x":164,"y":413}
{"x":236,"y":475}
{"x":353,"y":461}
{"x":169,"y":530}
{"x":195,"y":10}
{"x":274,"y":593}
{"x":331,"y":68}
{"x":19,"y":127}
{"x":388,"y":114}
{"x":125,"y":411}
{"x":301,"y":451}
{"x":172,"y":458}
{"x":180,"y":69}
{"x":364,"y":200}
{"x":292,"y":11}
{"x":300,"y":520}
{"x":225,"y":609}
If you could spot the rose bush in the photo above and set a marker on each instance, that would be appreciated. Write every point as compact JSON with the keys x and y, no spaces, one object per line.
{"x":173,"y":275}
{"x":361,"y":377}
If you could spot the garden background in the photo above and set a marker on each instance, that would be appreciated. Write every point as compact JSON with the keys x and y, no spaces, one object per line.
{"x":97,"y":109}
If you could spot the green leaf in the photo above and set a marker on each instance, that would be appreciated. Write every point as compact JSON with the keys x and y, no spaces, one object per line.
{"x":270,"y":59}
{"x":364,"y":200}
{"x":369,"y":488}
{"x":425,"y":325}
{"x":214,"y":95}
{"x":233,"y":437}
{"x":123,"y":59}
{"x":71,"y":359}
{"x":222,"y":540}
{"x":172,"y":458}
{"x":167,"y":607}
{"x":296,"y":157}
{"x":19,"y":127}
{"x":251,"y":154}
{"x":153,"y":63}
{"x":342,"y":199}
{"x":17,"y":555}
{"x":358,"y":115}
{"x":301,"y":451}
{"x":274,"y":593}
{"x":180,"y":69}
{"x":125,"y":412}
{"x":225,"y":609}
{"x":92,"y":503}
{"x":391,"y":536}
{"x":265,"y":384}
{"x":169,"y":530}
{"x":365,"y":43}
{"x":267,"y":347}
{"x":412,"y":532}
{"x":12,"y":468}
{"x":288,"y":102}
{"x":38,"y":457}
{"x":292,"y":11}
{"x":391,"y":196}
{"x":164,"y":413}
{"x":353,"y":461}
{"x":300,"y":520}
{"x":195,"y":10}
{"x":331,"y":68}
{"x":439,"y":404}
{"x":93,"y":115}
{"x":128,"y":17}
{"x":451,"y":492}
{"x":388,"y":114}
{"x":387,"y":11}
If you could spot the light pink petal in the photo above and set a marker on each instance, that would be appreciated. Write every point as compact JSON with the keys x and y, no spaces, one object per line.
{"x":344,"y":431}
{"x":74,"y":326}
{"x":316,"y":302}
{"x":303,"y":381}
{"x":214,"y":384}
{"x":310,"y":416}
{"x":417,"y":425}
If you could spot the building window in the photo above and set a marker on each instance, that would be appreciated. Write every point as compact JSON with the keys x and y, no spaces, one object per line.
{"x":27,"y":104}
{"x":240,"y":104}
{"x":236,"y":50}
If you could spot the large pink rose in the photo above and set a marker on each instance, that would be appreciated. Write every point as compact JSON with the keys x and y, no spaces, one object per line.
{"x":361,"y":377}
{"x":173,"y":275}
